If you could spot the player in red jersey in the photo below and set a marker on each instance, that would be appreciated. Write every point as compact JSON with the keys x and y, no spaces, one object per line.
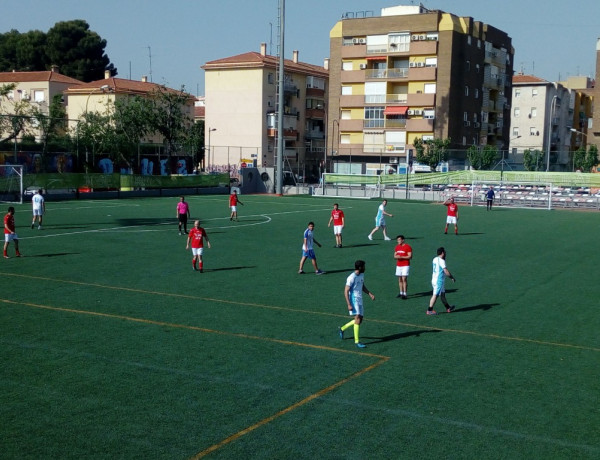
{"x":233,"y":202}
{"x":452,"y":217}
{"x":196,"y":237}
{"x":9,"y":232}
{"x":338,"y":219}
{"x":402,"y":254}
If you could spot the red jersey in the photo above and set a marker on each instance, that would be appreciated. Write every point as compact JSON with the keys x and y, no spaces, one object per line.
{"x":197,"y":236}
{"x":338,"y":217}
{"x":233,"y":199}
{"x":9,"y":221}
{"x":452,"y":209}
{"x":403,"y":250}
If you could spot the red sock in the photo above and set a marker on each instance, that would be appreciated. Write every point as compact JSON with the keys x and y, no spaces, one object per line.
{"x":200,"y":265}
{"x":194,"y":262}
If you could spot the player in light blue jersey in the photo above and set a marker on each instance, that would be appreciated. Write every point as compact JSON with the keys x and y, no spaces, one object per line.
{"x":355,"y":286}
{"x":308,"y":251}
{"x":380,"y":221}
{"x":438,"y":279}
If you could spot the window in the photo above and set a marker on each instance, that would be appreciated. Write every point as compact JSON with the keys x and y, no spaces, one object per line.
{"x":429,"y":88}
{"x":465,"y":116}
{"x":373,"y":142}
{"x":271,"y":79}
{"x":532,"y":130}
{"x":468,"y":39}
{"x":347,"y":65}
{"x":374,"y":117}
{"x":10,"y":95}
{"x":467,"y":65}
{"x":475,"y":117}
{"x":517,"y":92}
{"x":534,"y":92}
{"x":375,"y":92}
{"x":429,"y":113}
{"x":476,"y":93}
{"x":377,"y":44}
{"x":466,"y":90}
{"x":515,"y":132}
{"x":38,"y":95}
{"x":516,"y":111}
{"x":315,"y":82}
{"x":431,"y":62}
{"x":345,"y":139}
{"x":346,"y":115}
{"x":346,"y":90}
{"x":398,"y":42}
{"x":464,"y":140}
{"x":477,"y":68}
{"x":534,"y":112}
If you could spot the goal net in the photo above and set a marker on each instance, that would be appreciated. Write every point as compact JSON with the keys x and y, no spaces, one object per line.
{"x":349,"y":185}
{"x":11,"y":184}
{"x":515,"y":194}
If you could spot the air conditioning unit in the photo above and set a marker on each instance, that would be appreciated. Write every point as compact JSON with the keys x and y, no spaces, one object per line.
{"x":418,"y":112}
{"x":476,"y":124}
{"x":393,"y":160}
{"x":412,"y":64}
{"x":410,"y":112}
{"x":362,"y":66}
{"x":423,"y":37}
{"x":414,"y":38}
{"x":467,"y":123}
{"x":420,"y":64}
{"x":362,"y":41}
{"x":355,"y":41}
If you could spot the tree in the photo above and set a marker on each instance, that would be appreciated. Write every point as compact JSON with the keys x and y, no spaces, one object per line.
{"x":431,"y":152}
{"x":194,"y":142}
{"x":78,"y":51}
{"x":95,"y":134}
{"x":532,"y":160}
{"x":474,"y":157}
{"x":579,"y":158}
{"x":591,"y":159}
{"x":168,"y":118}
{"x":489,"y":154}
{"x":49,"y":125}
{"x":13,"y":123}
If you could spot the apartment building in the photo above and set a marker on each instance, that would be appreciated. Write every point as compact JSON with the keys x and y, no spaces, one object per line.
{"x":594,"y":126}
{"x":34,"y":88}
{"x":241,"y":95}
{"x":416,"y":73}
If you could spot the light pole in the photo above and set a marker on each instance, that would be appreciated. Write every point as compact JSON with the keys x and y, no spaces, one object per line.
{"x":573,"y":130}
{"x":334,"y":123}
{"x":210,"y":130}
{"x":552,"y":109}
{"x":502,"y":161}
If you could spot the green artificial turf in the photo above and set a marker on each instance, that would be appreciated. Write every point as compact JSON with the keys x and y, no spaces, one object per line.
{"x":113,"y":347}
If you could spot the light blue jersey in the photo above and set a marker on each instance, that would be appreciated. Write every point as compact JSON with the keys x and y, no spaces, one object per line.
{"x":379,"y":218}
{"x":356,"y":283}
{"x":308,"y":234}
{"x":439,"y":276}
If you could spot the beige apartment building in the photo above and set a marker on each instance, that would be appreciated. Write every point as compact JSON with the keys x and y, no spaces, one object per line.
{"x":241,"y":95}
{"x":35,"y":88}
{"x":415,"y":73}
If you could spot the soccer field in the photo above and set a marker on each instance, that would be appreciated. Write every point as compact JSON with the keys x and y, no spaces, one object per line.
{"x":113,"y":347}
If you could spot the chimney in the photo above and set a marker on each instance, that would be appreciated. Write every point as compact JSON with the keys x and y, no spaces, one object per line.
{"x":106,"y":74}
{"x":295,"y":58}
{"x":263,"y":49}
{"x":54,"y":68}
{"x":326,"y":63}
{"x":144,"y":79}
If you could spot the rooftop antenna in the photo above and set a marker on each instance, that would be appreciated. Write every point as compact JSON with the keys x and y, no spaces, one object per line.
{"x":150,"y":58}
{"x":271,"y":39}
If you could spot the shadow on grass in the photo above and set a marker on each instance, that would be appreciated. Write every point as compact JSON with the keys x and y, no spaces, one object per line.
{"x":401,"y":335}
{"x":343,"y":270}
{"x":357,"y":245}
{"x":470,"y":233}
{"x":57,"y":254}
{"x":428,"y":293}
{"x":227,"y":268}
{"x":66,"y":227}
{"x":481,"y":306}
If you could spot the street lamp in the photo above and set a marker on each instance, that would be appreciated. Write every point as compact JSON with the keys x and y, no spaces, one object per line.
{"x":209,"y":131}
{"x":103,"y":89}
{"x":552,"y":109}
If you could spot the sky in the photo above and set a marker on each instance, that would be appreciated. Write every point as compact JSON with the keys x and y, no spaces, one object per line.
{"x":170,"y":40}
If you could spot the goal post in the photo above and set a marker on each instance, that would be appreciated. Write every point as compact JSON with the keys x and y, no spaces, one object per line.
{"x":514,"y":194}
{"x":11,"y":184}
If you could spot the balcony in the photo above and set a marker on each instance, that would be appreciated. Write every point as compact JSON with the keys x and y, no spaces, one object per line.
{"x":354,"y":51}
{"x":419,"y":125}
{"x":375,"y":74}
{"x":422,"y":73}
{"x":421,"y":100}
{"x":352,"y":76}
{"x":395,"y":123}
{"x":352,"y":101}
{"x":396,"y":98}
{"x":423,"y":47}
{"x":351,"y":125}
{"x":288,"y":133}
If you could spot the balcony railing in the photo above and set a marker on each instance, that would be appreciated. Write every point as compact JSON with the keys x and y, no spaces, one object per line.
{"x":395,"y":123}
{"x":387,"y":73}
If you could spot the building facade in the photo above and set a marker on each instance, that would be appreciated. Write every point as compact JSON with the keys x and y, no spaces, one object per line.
{"x":241,"y":112}
{"x":415,"y":73}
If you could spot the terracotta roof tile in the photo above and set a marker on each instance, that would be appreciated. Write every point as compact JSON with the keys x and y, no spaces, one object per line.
{"x":199,"y":111}
{"x":120,"y":86}
{"x":10,"y":77}
{"x":255,"y":60}
{"x":519,"y":78}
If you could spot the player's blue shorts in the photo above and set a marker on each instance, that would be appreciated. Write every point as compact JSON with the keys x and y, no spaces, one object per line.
{"x":310,"y":254}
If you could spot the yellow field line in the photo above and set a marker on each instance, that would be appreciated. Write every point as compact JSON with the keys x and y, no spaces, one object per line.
{"x":269,"y":419}
{"x":381,"y":359}
{"x":311,"y":312}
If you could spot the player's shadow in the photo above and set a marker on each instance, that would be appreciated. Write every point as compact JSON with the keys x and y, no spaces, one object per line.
{"x":356,"y":245}
{"x":401,"y":335}
{"x":428,"y":293}
{"x":481,"y":306}
{"x":470,"y":233}
{"x":66,"y":227}
{"x":56,"y":254}
{"x":343,"y":270}
{"x":228,"y":268}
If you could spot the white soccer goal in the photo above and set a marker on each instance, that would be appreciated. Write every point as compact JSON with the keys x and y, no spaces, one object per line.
{"x":11,"y":184}
{"x":514,"y":194}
